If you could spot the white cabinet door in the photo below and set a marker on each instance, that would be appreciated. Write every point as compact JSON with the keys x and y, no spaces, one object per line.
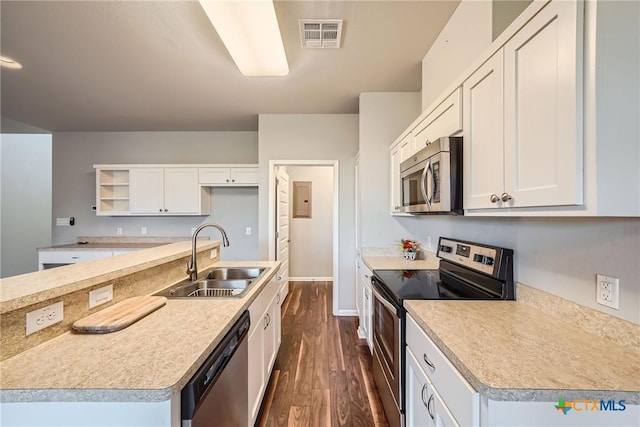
{"x":419,"y":410}
{"x":368,"y":316}
{"x":444,"y":120}
{"x":270,"y":337}
{"x":257,"y":383}
{"x":212,"y":176}
{"x":244,"y":176}
{"x":543,"y":88}
{"x":146,"y":189}
{"x":483,"y":135}
{"x":396,"y":194}
{"x":181,"y":191}
{"x":407,"y":147}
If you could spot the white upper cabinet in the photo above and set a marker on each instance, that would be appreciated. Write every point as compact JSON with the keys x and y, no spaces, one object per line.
{"x":443,"y":120}
{"x":543,"y":121}
{"x":170,"y":191}
{"x":483,"y":150}
{"x":229,"y":176}
{"x":396,"y":190}
{"x":522,"y":121}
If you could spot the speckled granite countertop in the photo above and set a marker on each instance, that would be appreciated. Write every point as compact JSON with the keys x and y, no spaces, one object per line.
{"x":31,"y":288}
{"x":150,"y":360}
{"x":115,"y":242}
{"x":431,"y":262}
{"x":513,"y":350}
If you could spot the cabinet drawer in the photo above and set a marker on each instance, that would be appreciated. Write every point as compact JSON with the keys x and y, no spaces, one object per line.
{"x":444,"y":120}
{"x":458,"y":395}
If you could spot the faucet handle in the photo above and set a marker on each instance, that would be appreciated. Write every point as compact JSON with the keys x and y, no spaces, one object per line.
{"x":188,"y":267}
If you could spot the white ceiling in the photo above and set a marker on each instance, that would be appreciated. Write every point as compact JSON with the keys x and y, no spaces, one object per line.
{"x":160,"y":66}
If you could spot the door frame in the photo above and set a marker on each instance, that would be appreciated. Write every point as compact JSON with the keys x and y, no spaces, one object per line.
{"x":336,"y":229}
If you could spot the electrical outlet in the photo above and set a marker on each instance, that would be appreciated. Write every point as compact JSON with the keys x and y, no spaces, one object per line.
{"x":143,"y":230}
{"x":607,"y":291}
{"x":119,"y":231}
{"x":100,"y":296}
{"x":248,"y":231}
{"x":44,"y":317}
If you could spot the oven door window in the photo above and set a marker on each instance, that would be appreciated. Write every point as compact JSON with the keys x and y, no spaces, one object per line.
{"x":411,"y":189}
{"x":386,"y":330}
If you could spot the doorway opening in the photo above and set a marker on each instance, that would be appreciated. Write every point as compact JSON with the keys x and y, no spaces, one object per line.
{"x":307,"y":246}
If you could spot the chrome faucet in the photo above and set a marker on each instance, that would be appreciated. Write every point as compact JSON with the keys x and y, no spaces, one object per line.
{"x":192,"y":269}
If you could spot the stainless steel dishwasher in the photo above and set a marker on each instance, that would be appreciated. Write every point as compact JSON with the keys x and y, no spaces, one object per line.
{"x":217,"y":394}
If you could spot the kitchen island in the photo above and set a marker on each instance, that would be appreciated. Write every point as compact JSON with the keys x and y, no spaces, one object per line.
{"x":133,"y":376}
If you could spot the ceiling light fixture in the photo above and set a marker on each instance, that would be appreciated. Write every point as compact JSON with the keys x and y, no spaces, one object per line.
{"x":250,"y":32}
{"x":7,"y":62}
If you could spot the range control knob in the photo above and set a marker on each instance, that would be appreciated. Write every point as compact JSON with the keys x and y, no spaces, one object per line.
{"x":487,"y":260}
{"x":445,"y":248}
{"x":478,"y":258}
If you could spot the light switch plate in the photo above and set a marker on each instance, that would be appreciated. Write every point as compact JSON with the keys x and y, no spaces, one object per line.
{"x":100,"y":296}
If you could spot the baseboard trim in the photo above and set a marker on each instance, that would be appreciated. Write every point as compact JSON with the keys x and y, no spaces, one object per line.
{"x":347,"y":312}
{"x":361,"y":334}
{"x":311,"y":279}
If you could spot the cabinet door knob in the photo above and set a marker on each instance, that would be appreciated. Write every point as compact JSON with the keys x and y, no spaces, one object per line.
{"x":494,"y":198}
{"x":160,"y":210}
{"x":505,"y":197}
{"x":233,"y":180}
{"x":227,"y":180}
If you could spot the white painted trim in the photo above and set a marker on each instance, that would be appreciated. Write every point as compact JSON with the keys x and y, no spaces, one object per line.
{"x":336,"y":220}
{"x":346,"y":312}
{"x":361,"y":333}
{"x":311,"y":279}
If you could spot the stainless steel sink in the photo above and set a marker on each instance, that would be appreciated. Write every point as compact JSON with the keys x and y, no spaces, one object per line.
{"x":221,"y":282}
{"x":224,"y":273}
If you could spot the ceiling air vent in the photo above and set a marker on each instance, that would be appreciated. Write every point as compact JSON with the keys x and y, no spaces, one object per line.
{"x":321,"y":33}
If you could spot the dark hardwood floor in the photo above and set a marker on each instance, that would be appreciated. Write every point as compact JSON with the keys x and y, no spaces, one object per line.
{"x":322,"y":375}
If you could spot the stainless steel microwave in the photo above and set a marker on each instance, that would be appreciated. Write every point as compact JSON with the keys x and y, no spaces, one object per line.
{"x":432,"y":179}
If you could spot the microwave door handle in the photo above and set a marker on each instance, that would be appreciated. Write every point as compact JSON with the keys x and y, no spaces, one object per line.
{"x":428,"y":197}
{"x":423,"y":182}
{"x":433,"y":187}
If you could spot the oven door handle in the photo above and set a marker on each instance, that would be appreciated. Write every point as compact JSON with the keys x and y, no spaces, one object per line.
{"x":423,"y":183}
{"x":384,"y":301}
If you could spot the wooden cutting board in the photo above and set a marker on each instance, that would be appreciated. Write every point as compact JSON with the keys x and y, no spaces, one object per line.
{"x":119,"y":315}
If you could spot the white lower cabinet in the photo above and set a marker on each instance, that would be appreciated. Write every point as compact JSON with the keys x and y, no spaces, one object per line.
{"x":425,"y":407}
{"x":449,"y":400}
{"x":264,"y":341}
{"x":366,"y":304}
{"x":50,"y":259}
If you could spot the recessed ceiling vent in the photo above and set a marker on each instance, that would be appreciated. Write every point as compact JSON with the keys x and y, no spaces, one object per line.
{"x":321,"y":33}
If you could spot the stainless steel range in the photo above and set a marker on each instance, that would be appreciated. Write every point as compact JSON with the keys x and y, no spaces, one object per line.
{"x":468,"y":271}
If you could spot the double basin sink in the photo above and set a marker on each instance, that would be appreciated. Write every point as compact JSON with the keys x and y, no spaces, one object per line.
{"x":218,"y":282}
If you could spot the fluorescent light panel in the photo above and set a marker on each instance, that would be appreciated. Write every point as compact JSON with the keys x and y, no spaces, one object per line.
{"x":249,"y":30}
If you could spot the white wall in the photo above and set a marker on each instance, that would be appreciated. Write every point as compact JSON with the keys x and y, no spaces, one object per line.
{"x":315,"y":137}
{"x":311,"y":247}
{"x":383,"y":116}
{"x":75,"y":153}
{"x":25,"y":203}
{"x":467,"y":34}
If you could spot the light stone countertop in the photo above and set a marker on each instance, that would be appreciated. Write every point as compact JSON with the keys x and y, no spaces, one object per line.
{"x":510,"y":350}
{"x":31,"y":288}
{"x":432,"y":262}
{"x":150,"y":360}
